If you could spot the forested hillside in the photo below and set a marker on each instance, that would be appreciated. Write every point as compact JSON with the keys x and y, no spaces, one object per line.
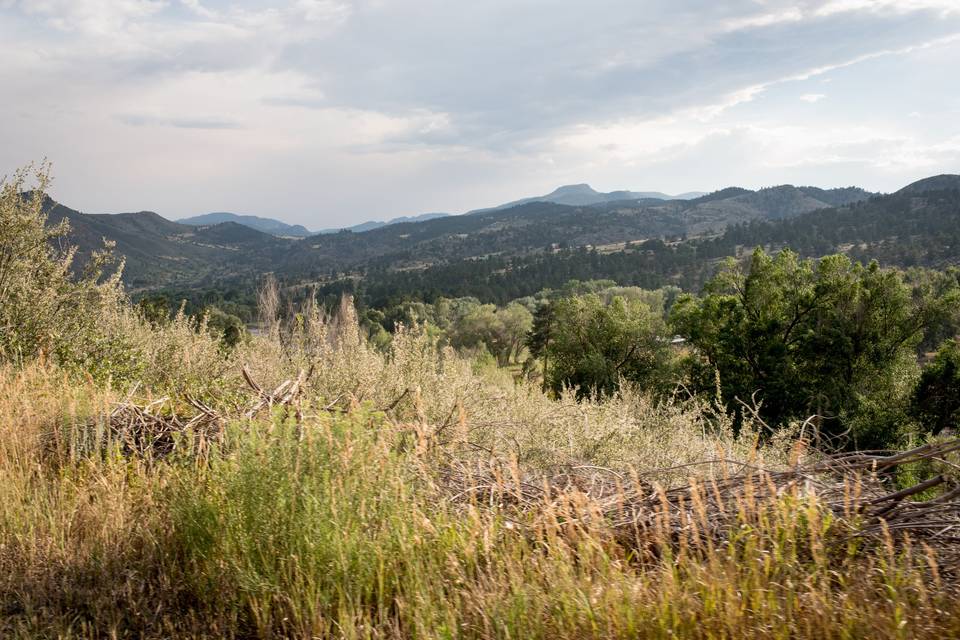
{"x":162,"y":253}
{"x":918,"y":226}
{"x":158,"y":252}
{"x":497,"y":256}
{"x":266,"y":225}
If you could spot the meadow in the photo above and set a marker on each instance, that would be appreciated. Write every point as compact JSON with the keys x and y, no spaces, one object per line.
{"x":336,"y":514}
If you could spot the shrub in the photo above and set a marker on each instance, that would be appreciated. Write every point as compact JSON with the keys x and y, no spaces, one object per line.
{"x":48,"y":304}
{"x":936,"y":398}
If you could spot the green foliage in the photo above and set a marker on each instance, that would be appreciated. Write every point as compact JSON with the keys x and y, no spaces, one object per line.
{"x":502,"y":331}
{"x":321,"y":535}
{"x":226,"y":327}
{"x":936,"y":400}
{"x":44,"y":307}
{"x":808,"y":338}
{"x":78,"y":316}
{"x":591,"y":346}
{"x":906,"y":229}
{"x":155,"y":309}
{"x":935,"y":284}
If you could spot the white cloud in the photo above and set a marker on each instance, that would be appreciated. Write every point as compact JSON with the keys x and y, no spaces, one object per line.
{"x":740,"y":96}
{"x":790,"y":14}
{"x":880,"y":6}
{"x":199,"y":9}
{"x":329,"y":11}
{"x":751,"y":92}
{"x":454,"y":105}
{"x":93,"y":17}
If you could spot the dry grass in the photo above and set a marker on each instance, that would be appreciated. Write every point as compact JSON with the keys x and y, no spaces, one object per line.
{"x":401,"y":495}
{"x":427,"y":384}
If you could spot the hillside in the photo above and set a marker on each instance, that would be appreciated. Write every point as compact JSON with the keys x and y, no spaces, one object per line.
{"x":376,"y":224}
{"x":537,"y":226}
{"x":917,"y":226}
{"x":161,"y":253}
{"x":266,"y":225}
{"x":571,"y":195}
{"x":584,"y":195}
{"x":943,"y":182}
{"x":158,"y":252}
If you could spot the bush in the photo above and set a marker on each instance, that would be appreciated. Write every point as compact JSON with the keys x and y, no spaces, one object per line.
{"x":49,"y":305}
{"x":79,"y":317}
{"x":936,"y":398}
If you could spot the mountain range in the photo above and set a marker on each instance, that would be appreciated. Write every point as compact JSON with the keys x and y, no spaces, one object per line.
{"x":376,"y":224}
{"x":266,"y":225}
{"x":918,"y":226}
{"x":584,"y":195}
{"x":574,"y":194}
{"x":160,"y":253}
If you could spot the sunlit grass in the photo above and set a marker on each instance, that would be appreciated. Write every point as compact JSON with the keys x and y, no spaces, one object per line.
{"x":339,"y":528}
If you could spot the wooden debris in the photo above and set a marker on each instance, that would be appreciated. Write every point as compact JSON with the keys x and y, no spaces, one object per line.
{"x":855,"y":487}
{"x":148,"y":429}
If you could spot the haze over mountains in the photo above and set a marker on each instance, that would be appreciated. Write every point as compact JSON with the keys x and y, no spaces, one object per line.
{"x":584,"y":194}
{"x":161,"y":253}
{"x":574,"y":195}
{"x":376,"y":224}
{"x":266,"y":225}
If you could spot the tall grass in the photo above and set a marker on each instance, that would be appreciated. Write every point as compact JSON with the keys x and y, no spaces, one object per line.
{"x":339,"y":526}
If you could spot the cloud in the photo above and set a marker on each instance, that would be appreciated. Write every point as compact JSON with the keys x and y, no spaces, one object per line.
{"x":326,"y":11}
{"x":530,"y":74}
{"x":456,"y":104}
{"x":179,"y":122}
{"x":751,"y":92}
{"x":944,"y":7}
{"x":93,"y":17}
{"x":760,"y":20}
{"x":199,"y":9}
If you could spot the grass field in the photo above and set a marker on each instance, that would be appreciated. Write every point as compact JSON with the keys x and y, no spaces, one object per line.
{"x":387,"y":496}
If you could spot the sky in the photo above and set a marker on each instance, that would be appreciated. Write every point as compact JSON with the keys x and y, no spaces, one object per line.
{"x":332,"y":112}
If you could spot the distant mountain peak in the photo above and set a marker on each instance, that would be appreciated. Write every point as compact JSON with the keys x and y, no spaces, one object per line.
{"x":265,"y":225}
{"x":582,"y":188}
{"x":376,"y":224}
{"x":582,"y":195}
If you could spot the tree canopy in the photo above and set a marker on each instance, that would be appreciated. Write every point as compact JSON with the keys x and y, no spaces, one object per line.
{"x":806,"y":337}
{"x":591,"y":346}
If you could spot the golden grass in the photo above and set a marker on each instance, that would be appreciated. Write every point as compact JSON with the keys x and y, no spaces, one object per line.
{"x":340,"y":525}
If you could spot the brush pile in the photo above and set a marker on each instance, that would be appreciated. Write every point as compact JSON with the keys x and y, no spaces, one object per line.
{"x":696,"y":503}
{"x":148,"y":430}
{"x":712,"y":500}
{"x":155,"y":429}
